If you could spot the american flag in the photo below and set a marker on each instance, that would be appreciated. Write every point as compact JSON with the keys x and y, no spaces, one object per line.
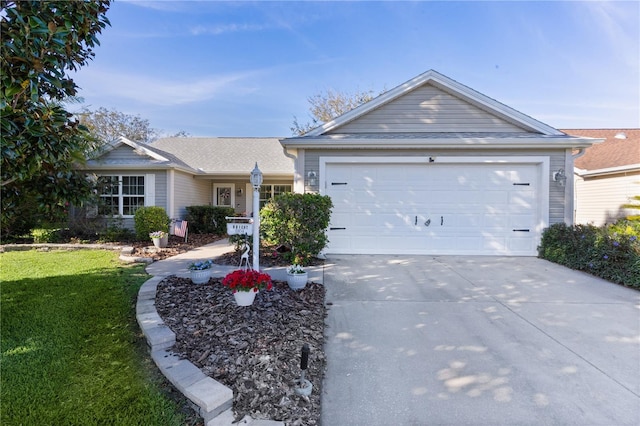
{"x":180,"y":229}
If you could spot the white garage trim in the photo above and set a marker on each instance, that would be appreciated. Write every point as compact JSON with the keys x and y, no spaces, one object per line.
{"x":539,"y":202}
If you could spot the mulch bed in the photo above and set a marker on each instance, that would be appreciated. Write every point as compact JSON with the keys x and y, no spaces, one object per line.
{"x":253,"y":350}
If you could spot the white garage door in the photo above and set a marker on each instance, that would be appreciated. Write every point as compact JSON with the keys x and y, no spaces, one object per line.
{"x":434,"y":208}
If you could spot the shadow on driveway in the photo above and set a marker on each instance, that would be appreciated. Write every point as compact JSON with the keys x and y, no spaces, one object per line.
{"x":416,"y":340}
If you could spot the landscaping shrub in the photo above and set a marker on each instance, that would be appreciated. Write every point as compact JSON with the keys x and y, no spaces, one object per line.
{"x":611,"y":252}
{"x":298,"y":222}
{"x":208,"y":219}
{"x":149,"y":219}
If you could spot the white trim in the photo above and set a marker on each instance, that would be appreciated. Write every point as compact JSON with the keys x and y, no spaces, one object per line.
{"x":453,"y":141}
{"x":607,"y":171}
{"x":233,"y":194}
{"x":141,"y":149}
{"x":457,"y":88}
{"x":149,"y":189}
{"x":171,"y":194}
{"x":568,"y":188}
{"x":299,"y":178}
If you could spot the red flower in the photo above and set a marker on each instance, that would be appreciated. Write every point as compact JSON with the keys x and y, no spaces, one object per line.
{"x":248,"y":280}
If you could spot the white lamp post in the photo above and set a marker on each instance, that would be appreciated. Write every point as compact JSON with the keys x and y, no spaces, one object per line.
{"x":256,"y":181}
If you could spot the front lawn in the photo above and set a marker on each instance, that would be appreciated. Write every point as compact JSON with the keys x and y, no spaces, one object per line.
{"x":70,"y":349}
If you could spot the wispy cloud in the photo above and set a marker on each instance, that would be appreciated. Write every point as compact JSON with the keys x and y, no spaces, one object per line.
{"x":618,"y":22}
{"x":162,"y":5}
{"x":227,"y":28}
{"x":160,"y":91}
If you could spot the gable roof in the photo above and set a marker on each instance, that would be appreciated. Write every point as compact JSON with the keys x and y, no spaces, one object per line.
{"x":447,"y":85}
{"x":424,"y":125}
{"x":617,"y":152}
{"x":228,"y":156}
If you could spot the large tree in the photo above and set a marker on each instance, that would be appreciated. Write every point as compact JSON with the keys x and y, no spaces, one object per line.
{"x":109,"y":124}
{"x":41,"y":142}
{"x":324,"y":107}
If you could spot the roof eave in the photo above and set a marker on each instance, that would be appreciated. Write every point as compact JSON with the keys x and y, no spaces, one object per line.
{"x":608,"y":170}
{"x":462,"y":142}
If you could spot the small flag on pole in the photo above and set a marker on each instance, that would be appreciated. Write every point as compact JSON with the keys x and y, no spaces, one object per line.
{"x":180,"y":229}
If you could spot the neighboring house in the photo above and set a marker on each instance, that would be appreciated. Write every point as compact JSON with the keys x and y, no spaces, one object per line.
{"x":607,"y":175}
{"x":429,"y":167}
{"x":178,"y":172}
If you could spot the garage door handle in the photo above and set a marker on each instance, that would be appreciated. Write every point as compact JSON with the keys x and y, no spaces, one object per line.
{"x":520,"y":230}
{"x":521,"y":184}
{"x":336,"y":229}
{"x":338,"y":183}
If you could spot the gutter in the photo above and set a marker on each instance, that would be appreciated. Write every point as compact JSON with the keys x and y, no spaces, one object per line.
{"x":608,"y":171}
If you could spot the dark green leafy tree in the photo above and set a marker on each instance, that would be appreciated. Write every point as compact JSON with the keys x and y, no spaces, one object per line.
{"x":41,"y":142}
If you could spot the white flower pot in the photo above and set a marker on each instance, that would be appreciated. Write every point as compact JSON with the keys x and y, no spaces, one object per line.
{"x":200,"y":277}
{"x":297,"y":281}
{"x":245,"y":298}
{"x":161,"y":242}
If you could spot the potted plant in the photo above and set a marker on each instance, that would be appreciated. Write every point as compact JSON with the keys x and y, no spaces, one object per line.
{"x":297,"y":277}
{"x":200,"y":271}
{"x":245,"y":284}
{"x":160,"y":238}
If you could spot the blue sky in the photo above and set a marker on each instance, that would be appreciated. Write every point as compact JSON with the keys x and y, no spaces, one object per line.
{"x":246,"y":68}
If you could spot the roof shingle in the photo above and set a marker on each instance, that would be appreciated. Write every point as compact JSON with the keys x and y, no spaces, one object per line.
{"x":613,"y":152}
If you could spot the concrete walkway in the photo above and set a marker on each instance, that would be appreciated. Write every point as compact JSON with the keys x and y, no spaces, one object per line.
{"x":179,"y":265}
{"x":423,"y":340}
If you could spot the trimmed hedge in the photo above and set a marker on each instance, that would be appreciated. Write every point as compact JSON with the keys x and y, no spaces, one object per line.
{"x":150,"y":219}
{"x":298,"y":222}
{"x":611,"y":252}
{"x":208,"y":219}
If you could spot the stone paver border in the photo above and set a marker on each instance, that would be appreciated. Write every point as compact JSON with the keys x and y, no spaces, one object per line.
{"x":212,"y":400}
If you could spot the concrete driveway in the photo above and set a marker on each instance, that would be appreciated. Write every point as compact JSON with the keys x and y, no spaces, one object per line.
{"x":447,"y":340}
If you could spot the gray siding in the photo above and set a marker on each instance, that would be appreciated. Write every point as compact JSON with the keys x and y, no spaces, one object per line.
{"x":428,"y":109}
{"x":123,"y":152}
{"x":189,"y":192}
{"x":557,"y":161}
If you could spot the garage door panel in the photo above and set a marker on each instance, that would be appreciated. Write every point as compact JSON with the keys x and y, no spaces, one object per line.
{"x":471,"y":208}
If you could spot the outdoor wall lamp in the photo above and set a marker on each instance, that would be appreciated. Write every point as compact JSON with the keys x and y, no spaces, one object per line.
{"x":239,"y":192}
{"x":312,"y":178}
{"x":560,"y":177}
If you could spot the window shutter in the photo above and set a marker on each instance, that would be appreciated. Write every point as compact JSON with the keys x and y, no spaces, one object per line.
{"x":150,"y":189}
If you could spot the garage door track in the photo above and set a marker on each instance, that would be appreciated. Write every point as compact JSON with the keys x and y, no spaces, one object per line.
{"x":423,"y":340}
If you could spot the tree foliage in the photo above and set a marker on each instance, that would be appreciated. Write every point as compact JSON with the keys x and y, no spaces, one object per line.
{"x":633,"y":204}
{"x":324,"y":107}
{"x":107,"y":125}
{"x":41,"y":143}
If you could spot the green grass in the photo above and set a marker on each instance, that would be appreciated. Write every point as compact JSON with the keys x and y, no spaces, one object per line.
{"x":70,"y":349}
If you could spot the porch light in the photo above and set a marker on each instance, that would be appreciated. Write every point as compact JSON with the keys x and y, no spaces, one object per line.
{"x":256,"y":177}
{"x":560,"y":177}
{"x":312,"y":178}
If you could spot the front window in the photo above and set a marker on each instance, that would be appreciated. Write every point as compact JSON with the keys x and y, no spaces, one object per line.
{"x":267,"y":192}
{"x":120,"y":195}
